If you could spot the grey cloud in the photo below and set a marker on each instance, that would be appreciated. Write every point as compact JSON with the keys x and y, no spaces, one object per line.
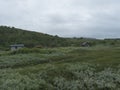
{"x":89,"y":18}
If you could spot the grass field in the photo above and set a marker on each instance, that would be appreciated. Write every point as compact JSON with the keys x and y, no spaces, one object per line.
{"x":69,"y":68}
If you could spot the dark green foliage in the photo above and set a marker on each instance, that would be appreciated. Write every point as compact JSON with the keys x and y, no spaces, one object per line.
{"x":10,"y":35}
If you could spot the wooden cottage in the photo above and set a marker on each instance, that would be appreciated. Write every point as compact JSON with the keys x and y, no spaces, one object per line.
{"x":16,"y":46}
{"x":85,"y":44}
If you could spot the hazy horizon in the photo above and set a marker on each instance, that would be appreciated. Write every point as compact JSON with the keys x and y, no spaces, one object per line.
{"x":65,"y":18}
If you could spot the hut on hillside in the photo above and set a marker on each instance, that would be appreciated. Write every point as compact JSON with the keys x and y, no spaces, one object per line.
{"x":16,"y":46}
{"x":86,"y":44}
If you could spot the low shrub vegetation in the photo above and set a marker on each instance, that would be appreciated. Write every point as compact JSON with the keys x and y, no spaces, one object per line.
{"x":71,"y":68}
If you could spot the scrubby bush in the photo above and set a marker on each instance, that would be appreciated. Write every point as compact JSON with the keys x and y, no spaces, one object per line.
{"x":61,"y":69}
{"x":52,"y":77}
{"x":32,"y":50}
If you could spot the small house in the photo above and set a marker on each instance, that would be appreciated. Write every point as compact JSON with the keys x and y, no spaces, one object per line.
{"x":85,"y":44}
{"x":16,"y":46}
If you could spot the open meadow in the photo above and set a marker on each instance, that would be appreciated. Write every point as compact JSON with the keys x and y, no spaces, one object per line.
{"x":64,"y":68}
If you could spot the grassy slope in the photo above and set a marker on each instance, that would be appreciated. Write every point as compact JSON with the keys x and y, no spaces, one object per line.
{"x":11,"y":35}
{"x":61,"y":68}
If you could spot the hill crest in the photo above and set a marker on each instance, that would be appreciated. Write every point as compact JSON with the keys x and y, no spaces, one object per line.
{"x":11,"y":35}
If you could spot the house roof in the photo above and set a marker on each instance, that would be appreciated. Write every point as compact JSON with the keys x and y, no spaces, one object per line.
{"x":17,"y":45}
{"x":84,"y":43}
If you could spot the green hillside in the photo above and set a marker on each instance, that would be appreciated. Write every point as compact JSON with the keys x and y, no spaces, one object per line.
{"x":67,"y":66}
{"x":11,"y":35}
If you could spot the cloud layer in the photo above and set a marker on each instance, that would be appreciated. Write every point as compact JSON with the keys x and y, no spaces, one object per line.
{"x":67,"y":18}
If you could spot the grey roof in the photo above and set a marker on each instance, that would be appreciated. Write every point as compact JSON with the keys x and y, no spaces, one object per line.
{"x":17,"y":45}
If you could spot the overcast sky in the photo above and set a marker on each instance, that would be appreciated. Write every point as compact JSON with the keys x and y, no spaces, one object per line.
{"x":65,"y":18}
